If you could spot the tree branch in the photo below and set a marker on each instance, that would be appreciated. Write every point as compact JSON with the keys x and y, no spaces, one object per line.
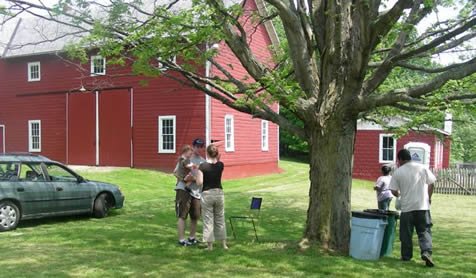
{"x":436,"y":42}
{"x":298,"y":30}
{"x":318,"y":20}
{"x":410,"y":108}
{"x":402,"y":95}
{"x":426,"y":35}
{"x":264,"y":113}
{"x":387,"y":20}
{"x":453,"y":44}
{"x":420,"y":68}
{"x":382,"y":72}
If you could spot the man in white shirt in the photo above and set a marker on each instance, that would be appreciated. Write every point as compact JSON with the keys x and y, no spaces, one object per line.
{"x":414,"y":183}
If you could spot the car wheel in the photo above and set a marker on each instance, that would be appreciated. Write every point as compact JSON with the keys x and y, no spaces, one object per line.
{"x":101,"y":206}
{"x":9,"y":216}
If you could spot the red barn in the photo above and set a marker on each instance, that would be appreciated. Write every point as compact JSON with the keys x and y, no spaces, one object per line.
{"x":375,"y":147}
{"x":101,"y":115}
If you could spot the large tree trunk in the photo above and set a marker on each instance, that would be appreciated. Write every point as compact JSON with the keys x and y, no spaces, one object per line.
{"x":328,"y":216}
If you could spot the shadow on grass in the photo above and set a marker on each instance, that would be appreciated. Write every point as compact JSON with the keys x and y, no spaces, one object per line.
{"x":140,"y":240}
{"x":60,"y":219}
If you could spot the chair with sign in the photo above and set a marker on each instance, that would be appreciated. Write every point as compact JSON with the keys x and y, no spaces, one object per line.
{"x":253,"y":216}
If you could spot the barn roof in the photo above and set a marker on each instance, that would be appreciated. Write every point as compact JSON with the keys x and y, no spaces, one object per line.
{"x":394,"y":122}
{"x":6,"y":31}
{"x":35,"y":35}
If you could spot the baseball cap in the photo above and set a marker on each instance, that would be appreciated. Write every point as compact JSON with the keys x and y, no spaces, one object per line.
{"x":198,"y":142}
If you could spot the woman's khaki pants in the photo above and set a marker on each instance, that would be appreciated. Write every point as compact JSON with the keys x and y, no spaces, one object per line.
{"x":213,"y":215}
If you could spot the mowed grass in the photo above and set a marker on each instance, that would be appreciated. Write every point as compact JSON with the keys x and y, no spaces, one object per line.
{"x":140,"y":239}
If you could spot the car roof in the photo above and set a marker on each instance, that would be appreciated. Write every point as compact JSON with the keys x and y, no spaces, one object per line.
{"x":23,"y":157}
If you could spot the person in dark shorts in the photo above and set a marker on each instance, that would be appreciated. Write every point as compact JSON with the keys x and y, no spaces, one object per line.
{"x":187,"y":197}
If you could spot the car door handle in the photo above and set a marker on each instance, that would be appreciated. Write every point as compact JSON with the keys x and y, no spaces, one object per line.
{"x":21,"y":189}
{"x":59,"y":188}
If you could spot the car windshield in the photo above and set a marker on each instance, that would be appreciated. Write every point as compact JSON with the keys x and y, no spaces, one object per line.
{"x":9,"y":171}
{"x":59,"y":173}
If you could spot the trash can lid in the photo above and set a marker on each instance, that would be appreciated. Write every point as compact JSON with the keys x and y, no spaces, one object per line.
{"x":386,"y":212}
{"x":368,"y":215}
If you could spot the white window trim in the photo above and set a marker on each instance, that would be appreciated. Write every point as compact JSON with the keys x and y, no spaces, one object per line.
{"x":3,"y":146}
{"x":380,"y":148}
{"x":30,"y":142}
{"x":232,"y":143}
{"x":29,"y":71}
{"x":160,"y":119}
{"x":92,"y":65}
{"x":265,"y":144}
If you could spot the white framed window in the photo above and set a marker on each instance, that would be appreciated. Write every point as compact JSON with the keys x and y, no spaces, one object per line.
{"x":167,"y":135}
{"x":98,"y":65}
{"x":387,"y":148}
{"x":34,"y":71}
{"x":34,"y":136}
{"x":229,"y":133}
{"x":163,"y":67}
{"x":264,"y":135}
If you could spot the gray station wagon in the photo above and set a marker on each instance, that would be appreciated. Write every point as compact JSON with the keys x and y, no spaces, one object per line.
{"x":33,"y":186}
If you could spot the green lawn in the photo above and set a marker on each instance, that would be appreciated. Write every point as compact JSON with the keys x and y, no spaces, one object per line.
{"x":140,"y":239}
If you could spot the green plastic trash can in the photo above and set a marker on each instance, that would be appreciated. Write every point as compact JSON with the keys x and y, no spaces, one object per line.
{"x":390,"y":230}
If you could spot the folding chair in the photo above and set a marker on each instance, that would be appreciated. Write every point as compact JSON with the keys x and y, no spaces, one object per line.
{"x":255,"y":209}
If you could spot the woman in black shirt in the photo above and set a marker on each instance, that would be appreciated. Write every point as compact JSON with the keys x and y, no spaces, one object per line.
{"x":213,"y":199}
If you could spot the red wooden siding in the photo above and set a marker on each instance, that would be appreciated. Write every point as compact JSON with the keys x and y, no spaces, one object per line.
{"x":46,"y":101}
{"x":446,"y":153}
{"x":16,"y":108}
{"x":366,"y":154}
{"x":81,"y":129}
{"x":53,"y":123}
{"x":247,"y":159}
{"x":165,"y":97}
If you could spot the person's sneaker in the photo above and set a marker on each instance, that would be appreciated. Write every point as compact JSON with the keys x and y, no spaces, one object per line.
{"x":193,"y":241}
{"x":184,"y":243}
{"x":427,"y":258}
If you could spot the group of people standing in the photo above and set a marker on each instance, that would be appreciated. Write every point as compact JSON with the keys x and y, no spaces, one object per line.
{"x":413,"y":184}
{"x":199,"y":193}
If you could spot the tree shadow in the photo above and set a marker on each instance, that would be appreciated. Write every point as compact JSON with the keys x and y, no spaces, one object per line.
{"x":61,"y":219}
{"x":141,"y":240}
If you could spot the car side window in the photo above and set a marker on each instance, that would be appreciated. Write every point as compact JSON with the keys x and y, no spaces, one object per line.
{"x":58,"y":173}
{"x":9,"y":171}
{"x":31,"y":172}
